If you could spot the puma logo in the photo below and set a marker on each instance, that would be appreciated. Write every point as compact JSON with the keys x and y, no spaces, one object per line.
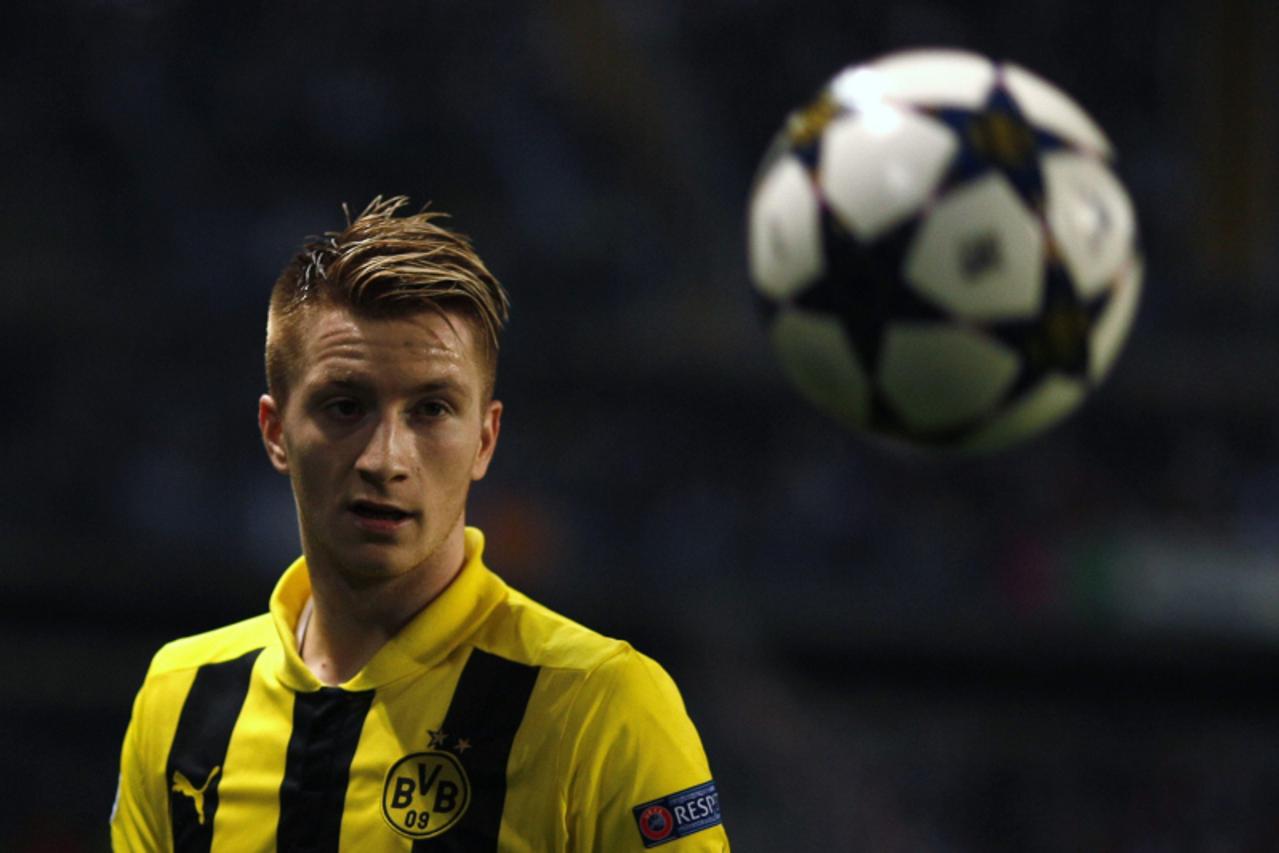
{"x":183,"y":786}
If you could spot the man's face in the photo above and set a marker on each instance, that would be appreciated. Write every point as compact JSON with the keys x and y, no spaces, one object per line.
{"x":384,"y":429}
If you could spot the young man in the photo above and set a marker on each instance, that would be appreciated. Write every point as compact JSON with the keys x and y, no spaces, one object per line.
{"x":398,"y":695}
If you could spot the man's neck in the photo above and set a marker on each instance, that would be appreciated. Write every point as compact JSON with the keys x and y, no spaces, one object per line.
{"x":350,"y":622}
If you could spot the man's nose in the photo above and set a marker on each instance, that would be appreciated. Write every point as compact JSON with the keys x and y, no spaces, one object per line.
{"x":388,"y":454}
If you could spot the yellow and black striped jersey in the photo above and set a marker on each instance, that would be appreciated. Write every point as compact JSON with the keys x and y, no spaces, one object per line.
{"x":488,"y":723}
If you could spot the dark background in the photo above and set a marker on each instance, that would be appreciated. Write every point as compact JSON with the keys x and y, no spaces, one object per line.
{"x":1069,"y":646}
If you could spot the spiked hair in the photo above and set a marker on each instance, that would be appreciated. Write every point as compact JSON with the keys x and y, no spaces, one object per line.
{"x":383,"y":265}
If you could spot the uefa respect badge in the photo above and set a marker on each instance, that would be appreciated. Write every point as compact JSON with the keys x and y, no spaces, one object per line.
{"x":678,"y":815}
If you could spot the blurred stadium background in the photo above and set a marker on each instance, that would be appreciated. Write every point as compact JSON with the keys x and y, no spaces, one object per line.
{"x":1072,"y":646}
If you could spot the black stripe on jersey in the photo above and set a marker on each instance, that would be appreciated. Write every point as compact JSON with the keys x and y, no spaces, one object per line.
{"x":326,"y":731}
{"x":199,"y":749}
{"x":487,"y":709}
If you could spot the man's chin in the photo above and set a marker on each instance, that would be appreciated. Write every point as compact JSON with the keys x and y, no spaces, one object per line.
{"x":369,"y":565}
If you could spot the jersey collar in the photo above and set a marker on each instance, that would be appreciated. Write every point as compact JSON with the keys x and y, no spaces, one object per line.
{"x":443,"y":625}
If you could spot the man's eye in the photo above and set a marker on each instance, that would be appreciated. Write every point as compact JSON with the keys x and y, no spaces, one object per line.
{"x":433,"y":409}
{"x":343,"y":409}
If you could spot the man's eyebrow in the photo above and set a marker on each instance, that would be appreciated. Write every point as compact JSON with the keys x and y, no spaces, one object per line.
{"x":360,"y":383}
{"x":348,"y":381}
{"x":436,"y":385}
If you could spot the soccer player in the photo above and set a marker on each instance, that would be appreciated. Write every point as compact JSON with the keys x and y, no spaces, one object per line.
{"x":398,"y":695}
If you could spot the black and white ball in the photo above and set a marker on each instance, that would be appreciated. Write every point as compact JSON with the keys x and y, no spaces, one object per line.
{"x":943,"y":253}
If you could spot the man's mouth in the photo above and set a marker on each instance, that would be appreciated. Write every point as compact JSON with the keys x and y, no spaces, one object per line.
{"x":379,"y":516}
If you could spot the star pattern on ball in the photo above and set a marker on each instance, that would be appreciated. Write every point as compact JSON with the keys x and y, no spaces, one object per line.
{"x":1056,"y":339}
{"x":997,"y":135}
{"x":861,"y":284}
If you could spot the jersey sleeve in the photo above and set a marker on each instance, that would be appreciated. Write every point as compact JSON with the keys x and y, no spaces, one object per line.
{"x":140,"y":816}
{"x":637,"y":773}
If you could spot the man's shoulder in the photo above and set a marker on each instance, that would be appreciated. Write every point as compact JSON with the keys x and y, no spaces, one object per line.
{"x":526,"y":631}
{"x":215,"y":646}
{"x":590,"y":670}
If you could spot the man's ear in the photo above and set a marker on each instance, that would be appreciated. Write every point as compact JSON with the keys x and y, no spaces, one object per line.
{"x":271,"y":424}
{"x":489,"y":429}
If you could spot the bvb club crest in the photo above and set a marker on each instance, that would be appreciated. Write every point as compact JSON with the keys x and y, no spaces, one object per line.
{"x":425,"y":794}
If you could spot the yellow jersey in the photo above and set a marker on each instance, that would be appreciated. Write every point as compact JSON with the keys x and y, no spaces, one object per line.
{"x":488,"y":723}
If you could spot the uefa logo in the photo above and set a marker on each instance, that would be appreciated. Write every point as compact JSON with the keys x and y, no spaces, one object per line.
{"x":656,"y":823}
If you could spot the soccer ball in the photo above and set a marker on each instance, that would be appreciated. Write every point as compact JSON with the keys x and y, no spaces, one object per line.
{"x":943,"y":255}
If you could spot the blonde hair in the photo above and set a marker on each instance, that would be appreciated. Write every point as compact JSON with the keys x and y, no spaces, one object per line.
{"x":383,"y":265}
